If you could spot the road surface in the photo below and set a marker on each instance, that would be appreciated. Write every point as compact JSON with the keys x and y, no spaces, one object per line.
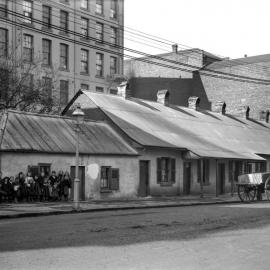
{"x":231,"y":236}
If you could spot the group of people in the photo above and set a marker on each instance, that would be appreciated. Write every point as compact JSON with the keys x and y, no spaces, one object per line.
{"x":30,"y":188}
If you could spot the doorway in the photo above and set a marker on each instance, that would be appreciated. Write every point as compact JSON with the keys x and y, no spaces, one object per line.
{"x":187,"y":178}
{"x":220,"y":178}
{"x":144,"y":178}
{"x":82,"y":182}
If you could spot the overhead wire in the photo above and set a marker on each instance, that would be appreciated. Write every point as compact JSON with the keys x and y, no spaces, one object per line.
{"x":121,"y":27}
{"x":248,"y":79}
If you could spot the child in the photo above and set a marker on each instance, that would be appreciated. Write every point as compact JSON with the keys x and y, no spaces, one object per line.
{"x":17,"y":190}
{"x":37,"y":189}
{"x":66,"y":185}
{"x":46,"y":184}
{"x":28,"y":185}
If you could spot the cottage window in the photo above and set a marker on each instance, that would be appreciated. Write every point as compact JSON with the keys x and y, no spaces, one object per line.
{"x":203,"y":171}
{"x":41,"y":167}
{"x":165,"y":170}
{"x":109,"y":179}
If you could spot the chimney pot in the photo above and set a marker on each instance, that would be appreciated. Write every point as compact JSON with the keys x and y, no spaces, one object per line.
{"x":175,"y":48}
{"x":194,"y":103}
{"x":264,"y":116}
{"x":220,"y":107}
{"x":163,"y":97}
{"x":124,"y":90}
{"x":243,"y":111}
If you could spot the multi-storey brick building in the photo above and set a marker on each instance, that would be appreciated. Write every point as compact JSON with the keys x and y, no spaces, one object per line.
{"x":197,"y":73}
{"x":81,"y":39}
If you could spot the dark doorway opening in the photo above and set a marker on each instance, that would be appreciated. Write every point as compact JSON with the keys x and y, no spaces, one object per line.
{"x":144,"y":178}
{"x":220,"y":178}
{"x":187,"y":178}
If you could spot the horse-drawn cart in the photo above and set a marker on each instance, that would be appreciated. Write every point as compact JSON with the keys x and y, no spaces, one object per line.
{"x":251,"y":186}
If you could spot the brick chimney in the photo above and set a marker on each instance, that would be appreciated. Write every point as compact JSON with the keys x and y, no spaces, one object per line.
{"x":123,"y":90}
{"x":264,"y":116}
{"x":163,"y":97}
{"x":175,"y":48}
{"x":219,"y":107}
{"x":243,"y":111}
{"x":194,"y":103}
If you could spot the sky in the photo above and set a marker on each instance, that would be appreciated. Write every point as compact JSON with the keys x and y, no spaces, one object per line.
{"x":230,"y":28}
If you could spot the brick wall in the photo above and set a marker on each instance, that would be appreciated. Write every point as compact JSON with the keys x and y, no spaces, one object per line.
{"x":136,"y":68}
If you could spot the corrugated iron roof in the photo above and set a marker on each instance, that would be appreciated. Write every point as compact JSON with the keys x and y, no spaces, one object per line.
{"x":53,"y":134}
{"x":205,"y":133}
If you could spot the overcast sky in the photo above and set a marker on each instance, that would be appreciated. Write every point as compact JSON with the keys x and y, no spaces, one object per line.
{"x":225,"y":27}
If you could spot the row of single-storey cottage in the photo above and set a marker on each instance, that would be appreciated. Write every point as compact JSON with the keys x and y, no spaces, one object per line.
{"x":131,"y":147}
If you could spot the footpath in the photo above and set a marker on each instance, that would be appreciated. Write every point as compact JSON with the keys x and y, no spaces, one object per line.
{"x":16,"y":210}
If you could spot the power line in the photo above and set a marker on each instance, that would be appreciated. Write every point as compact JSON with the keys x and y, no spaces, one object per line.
{"x":253,"y":80}
{"x":120,"y":27}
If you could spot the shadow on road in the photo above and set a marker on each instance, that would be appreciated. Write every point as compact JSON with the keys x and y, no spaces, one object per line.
{"x":128,"y":227}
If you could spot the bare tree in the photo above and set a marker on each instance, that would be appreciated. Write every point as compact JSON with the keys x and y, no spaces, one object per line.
{"x":25,"y":84}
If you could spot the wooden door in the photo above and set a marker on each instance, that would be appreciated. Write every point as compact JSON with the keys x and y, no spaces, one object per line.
{"x":187,"y":178}
{"x":221,"y":178}
{"x":82,"y":182}
{"x":144,"y":178}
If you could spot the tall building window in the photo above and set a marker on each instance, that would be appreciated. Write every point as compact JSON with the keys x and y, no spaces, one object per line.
{"x":64,"y":21}
{"x":113,"y":65}
{"x":113,"y":13}
{"x":27,"y":11}
{"x":3,"y":8}
{"x":46,"y":51}
{"x":63,"y":92}
{"x":47,"y":86}
{"x":113,"y":36}
{"x":99,"y":89}
{"x":28,"y":48}
{"x":84,"y":61}
{"x":99,"y":32}
{"x":99,"y":6}
{"x":84,"y":27}
{"x":84,"y":4}
{"x":99,"y":64}
{"x":84,"y":86}
{"x":63,"y":56}
{"x":47,"y":16}
{"x":3,"y":42}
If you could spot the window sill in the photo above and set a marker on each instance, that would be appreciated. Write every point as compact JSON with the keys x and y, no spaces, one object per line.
{"x":47,"y":29}
{"x":64,"y":69}
{"x":84,"y":73}
{"x":84,"y":9}
{"x":100,"y":43}
{"x":166,"y":184}
{"x":100,"y":77}
{"x":63,"y":33}
{"x":85,"y":39}
{"x":45,"y":65}
{"x":100,"y":14}
{"x":105,"y":191}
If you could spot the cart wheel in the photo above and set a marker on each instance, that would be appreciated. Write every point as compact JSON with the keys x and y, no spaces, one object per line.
{"x":247,"y":193}
{"x":267,"y":188}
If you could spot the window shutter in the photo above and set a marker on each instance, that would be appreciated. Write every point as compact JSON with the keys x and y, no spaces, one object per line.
{"x":158,"y":170}
{"x":173,"y":170}
{"x":199,"y":171}
{"x":114,"y":179}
